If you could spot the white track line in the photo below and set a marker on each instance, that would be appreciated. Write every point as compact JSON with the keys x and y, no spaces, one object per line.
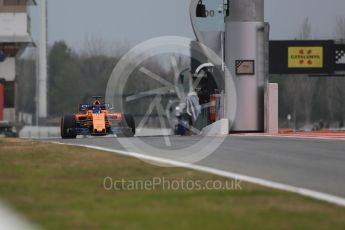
{"x":12,"y":221}
{"x":288,"y":136}
{"x":301,"y":191}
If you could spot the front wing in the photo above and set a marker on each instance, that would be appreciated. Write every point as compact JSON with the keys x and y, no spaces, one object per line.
{"x":111,"y":131}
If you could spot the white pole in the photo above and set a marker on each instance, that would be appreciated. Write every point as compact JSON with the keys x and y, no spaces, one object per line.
{"x":244,"y":42}
{"x":43,"y":63}
{"x":37,"y":84}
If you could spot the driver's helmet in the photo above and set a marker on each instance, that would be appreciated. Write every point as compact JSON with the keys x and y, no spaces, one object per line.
{"x":97,"y":109}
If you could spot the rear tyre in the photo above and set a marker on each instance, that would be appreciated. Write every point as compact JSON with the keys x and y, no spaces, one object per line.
{"x":68,"y":125}
{"x":130,"y":122}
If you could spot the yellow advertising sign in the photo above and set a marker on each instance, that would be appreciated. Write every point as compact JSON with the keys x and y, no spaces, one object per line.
{"x":305,"y":57}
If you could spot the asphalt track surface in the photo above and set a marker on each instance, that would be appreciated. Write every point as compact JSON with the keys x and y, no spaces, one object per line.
{"x":315,"y":164}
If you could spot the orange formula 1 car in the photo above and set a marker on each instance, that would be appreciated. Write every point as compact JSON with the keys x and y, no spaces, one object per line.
{"x":97,"y":119}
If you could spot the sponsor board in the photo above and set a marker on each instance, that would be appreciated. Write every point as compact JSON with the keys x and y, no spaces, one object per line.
{"x":245,"y":67}
{"x":339,"y":53}
{"x":301,"y":57}
{"x":305,"y":57}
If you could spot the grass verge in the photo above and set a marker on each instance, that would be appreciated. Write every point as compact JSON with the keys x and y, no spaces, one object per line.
{"x":62,"y":187}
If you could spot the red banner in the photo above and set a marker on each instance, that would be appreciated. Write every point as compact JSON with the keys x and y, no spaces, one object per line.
{"x":2,"y":100}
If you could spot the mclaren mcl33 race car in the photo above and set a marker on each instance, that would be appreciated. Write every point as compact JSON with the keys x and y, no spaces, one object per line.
{"x":97,"y":119}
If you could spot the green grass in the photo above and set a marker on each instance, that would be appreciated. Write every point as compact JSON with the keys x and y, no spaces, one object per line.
{"x":61,"y":187}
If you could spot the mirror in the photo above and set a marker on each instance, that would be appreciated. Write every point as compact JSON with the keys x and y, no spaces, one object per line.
{"x":201,"y":10}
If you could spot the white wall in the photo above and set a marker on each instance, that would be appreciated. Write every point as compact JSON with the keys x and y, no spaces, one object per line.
{"x":272,"y":109}
{"x":39,"y":132}
{"x":13,"y":24}
{"x":8,"y":69}
{"x":10,"y":115}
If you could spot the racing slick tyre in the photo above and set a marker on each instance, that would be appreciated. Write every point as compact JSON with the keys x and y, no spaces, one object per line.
{"x":68,"y":126}
{"x":128,"y":129}
{"x":130,"y":122}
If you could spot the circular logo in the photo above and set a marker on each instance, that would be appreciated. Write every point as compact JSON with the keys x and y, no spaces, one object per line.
{"x":163,"y":61}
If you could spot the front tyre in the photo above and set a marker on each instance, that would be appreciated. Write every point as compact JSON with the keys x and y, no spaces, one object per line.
{"x":68,"y":125}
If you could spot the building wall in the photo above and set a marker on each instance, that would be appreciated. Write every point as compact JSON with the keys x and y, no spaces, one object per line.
{"x":14,"y":24}
{"x":14,"y":36}
{"x":10,"y":115}
{"x":7,"y":69}
{"x":13,"y":5}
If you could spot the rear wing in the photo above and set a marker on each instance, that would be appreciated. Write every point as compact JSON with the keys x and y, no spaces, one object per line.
{"x":85,"y":107}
